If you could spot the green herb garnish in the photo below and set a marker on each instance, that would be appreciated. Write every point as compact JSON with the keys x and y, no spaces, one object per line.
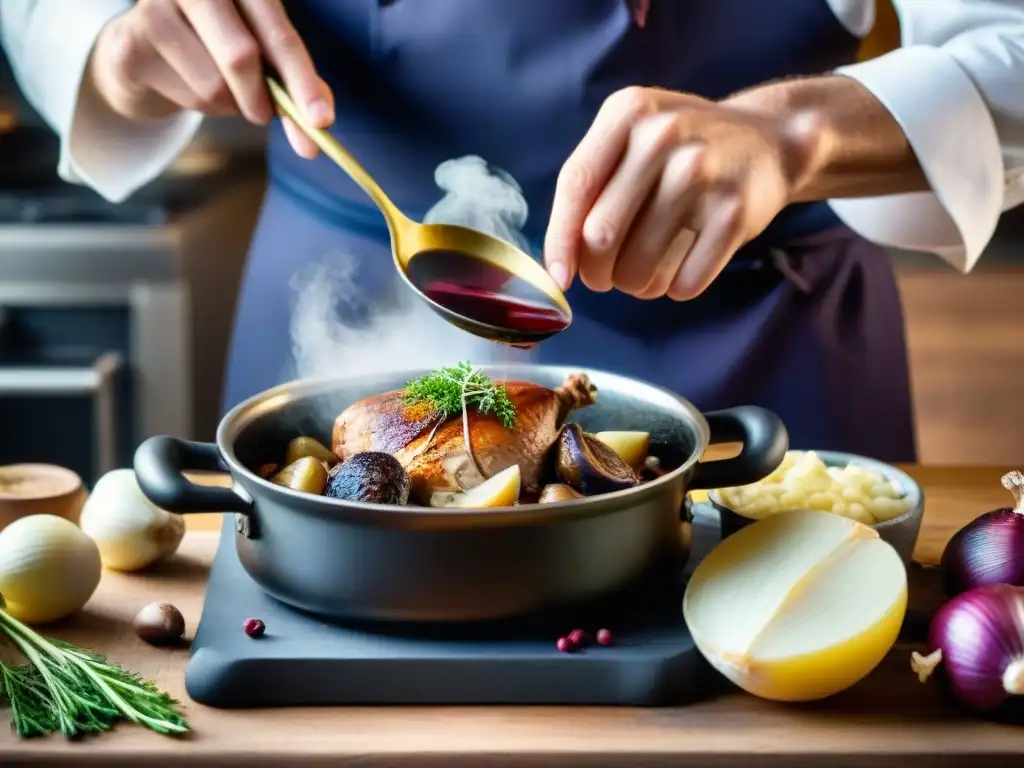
{"x":451,"y":390}
{"x":74,"y":691}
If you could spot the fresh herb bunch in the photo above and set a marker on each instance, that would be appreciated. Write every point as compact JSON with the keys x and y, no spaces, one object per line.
{"x":447,"y":388}
{"x":74,"y":691}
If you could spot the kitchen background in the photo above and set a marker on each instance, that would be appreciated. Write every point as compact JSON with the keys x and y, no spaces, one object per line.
{"x":114,"y":320}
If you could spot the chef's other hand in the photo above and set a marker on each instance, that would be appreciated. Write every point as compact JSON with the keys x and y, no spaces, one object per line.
{"x":662,"y":191}
{"x":207,"y":55}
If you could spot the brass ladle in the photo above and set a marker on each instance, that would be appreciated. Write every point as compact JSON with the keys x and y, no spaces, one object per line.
{"x":433,"y":254}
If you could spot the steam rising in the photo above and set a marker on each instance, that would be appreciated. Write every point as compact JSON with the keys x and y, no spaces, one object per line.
{"x":480,"y":197}
{"x":336,"y":331}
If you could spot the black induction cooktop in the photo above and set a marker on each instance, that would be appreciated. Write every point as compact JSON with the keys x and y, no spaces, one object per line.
{"x":306,"y":660}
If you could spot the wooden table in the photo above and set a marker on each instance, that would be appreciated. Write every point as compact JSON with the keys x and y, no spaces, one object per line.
{"x":886,"y":720}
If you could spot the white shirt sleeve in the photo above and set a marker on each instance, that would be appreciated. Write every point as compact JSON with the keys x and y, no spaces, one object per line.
{"x":48,"y":43}
{"x":956,"y":87}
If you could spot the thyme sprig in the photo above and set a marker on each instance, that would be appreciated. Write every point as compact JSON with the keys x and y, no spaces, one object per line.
{"x":450,"y":390}
{"x":73,"y":691}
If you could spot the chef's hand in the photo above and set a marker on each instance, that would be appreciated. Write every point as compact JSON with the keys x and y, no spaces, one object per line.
{"x":163,"y":56}
{"x":662,"y":191}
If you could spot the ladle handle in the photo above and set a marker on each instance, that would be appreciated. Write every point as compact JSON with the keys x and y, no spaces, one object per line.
{"x":331,"y":147}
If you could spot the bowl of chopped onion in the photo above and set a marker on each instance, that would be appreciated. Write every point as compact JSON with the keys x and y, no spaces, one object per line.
{"x":866,"y":490}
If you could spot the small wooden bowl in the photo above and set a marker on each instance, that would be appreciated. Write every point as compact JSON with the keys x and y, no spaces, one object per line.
{"x":39,"y":489}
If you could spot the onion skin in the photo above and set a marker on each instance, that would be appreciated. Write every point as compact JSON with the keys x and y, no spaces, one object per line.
{"x":978,"y":638}
{"x":49,"y":568}
{"x":589,"y":466}
{"x":989,"y":549}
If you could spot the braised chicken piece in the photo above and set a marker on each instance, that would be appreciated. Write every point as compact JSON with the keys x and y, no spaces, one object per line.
{"x":434,"y":453}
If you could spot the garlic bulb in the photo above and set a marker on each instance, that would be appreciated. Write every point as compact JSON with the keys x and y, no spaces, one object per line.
{"x":129,"y":529}
{"x":48,"y":568}
{"x":798,"y":606}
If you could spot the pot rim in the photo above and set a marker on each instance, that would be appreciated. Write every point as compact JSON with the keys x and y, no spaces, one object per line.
{"x":270,"y":400}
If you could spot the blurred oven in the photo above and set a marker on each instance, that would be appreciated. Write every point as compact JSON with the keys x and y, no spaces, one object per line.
{"x":115,"y":319}
{"x":94,"y":354}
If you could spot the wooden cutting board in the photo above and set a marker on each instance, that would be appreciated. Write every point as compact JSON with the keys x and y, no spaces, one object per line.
{"x":887,"y":720}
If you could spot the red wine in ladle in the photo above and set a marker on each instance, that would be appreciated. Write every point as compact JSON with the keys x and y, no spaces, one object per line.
{"x":485,"y":293}
{"x":495,"y":308}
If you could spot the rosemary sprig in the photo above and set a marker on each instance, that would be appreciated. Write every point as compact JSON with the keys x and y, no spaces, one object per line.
{"x":450,"y":390}
{"x":74,"y":691}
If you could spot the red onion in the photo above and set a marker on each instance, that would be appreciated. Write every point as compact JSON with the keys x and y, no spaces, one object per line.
{"x":990,"y":549}
{"x":978,"y":637}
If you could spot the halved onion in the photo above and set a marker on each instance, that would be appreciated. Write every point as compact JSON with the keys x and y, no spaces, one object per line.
{"x":798,"y":606}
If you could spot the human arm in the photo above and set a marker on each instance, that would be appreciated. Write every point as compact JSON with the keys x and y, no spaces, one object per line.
{"x":125,"y":84}
{"x":956,"y":87}
{"x":48,"y":43}
{"x":666,"y":187}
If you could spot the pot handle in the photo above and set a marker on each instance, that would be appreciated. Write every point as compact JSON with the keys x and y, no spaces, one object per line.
{"x":765,"y":442}
{"x":159,"y":466}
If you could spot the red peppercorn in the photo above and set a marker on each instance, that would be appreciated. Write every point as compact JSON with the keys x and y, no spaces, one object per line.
{"x":604,"y":637}
{"x":565,"y":645}
{"x":578,"y":637}
{"x":254,"y":627}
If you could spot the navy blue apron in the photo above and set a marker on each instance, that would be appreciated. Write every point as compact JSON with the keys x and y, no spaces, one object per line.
{"x":806,"y":320}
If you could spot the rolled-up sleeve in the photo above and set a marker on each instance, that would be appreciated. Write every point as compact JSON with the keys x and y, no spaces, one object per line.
{"x":956,"y":87}
{"x":48,"y":43}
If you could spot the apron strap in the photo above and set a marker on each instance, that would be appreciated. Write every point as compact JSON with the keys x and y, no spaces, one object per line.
{"x":783,"y":262}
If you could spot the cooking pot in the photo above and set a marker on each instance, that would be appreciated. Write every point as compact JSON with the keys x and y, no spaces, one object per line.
{"x":351,"y":560}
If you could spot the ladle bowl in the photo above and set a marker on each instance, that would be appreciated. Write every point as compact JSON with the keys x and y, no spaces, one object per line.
{"x":475,"y":281}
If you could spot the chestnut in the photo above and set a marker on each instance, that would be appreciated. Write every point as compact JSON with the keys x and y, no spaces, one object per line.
{"x":373,"y":477}
{"x":159,"y":624}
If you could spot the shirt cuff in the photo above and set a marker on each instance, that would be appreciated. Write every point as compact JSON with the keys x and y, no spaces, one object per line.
{"x":951,"y":131}
{"x":113,"y":155}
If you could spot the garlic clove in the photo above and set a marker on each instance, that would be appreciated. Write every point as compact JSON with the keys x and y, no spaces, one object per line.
{"x":131,"y":532}
{"x":803,"y":605}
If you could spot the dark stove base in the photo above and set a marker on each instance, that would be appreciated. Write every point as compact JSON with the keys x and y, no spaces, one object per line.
{"x":301,"y":660}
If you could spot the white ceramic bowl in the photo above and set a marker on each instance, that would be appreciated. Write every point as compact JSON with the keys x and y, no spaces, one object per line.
{"x":901,"y":531}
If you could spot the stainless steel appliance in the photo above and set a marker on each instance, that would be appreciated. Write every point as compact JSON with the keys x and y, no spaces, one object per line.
{"x":113,"y":319}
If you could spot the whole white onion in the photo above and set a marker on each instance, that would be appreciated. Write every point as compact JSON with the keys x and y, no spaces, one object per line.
{"x":49,"y":568}
{"x":130,"y":530}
